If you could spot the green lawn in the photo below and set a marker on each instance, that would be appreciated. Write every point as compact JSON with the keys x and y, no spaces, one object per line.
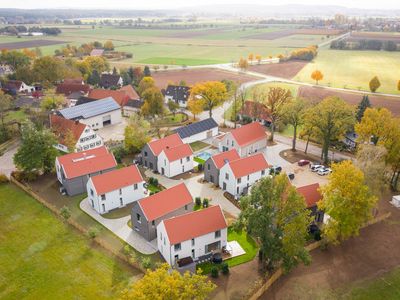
{"x":196,"y":146}
{"x":354,"y":69}
{"x":43,"y":258}
{"x":171,"y":120}
{"x":199,"y":160}
{"x":16,"y":115}
{"x":153,"y":188}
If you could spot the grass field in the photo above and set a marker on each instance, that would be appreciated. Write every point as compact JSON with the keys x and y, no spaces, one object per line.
{"x":354,"y":69}
{"x":43,"y":258}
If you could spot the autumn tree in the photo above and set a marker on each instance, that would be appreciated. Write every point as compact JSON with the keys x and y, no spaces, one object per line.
{"x":52,"y":101}
{"x":164,"y":283}
{"x":137,"y":133}
{"x":374,"y":125}
{"x":108,"y":45}
{"x":211,"y":93}
{"x":348,"y":202}
{"x":374,"y":84}
{"x":251,"y":57}
{"x":277,"y":216}
{"x":330,"y":120}
{"x":49,"y":70}
{"x":195,"y":107}
{"x":258,"y":58}
{"x":294,"y":115}
{"x":392,"y":146}
{"x":146,"y":71}
{"x":317,"y":76}
{"x":70,"y":140}
{"x":362,"y":106}
{"x":5,"y":105}
{"x":398,"y":85}
{"x":243,"y":64}
{"x":146,"y":83}
{"x":173,"y":106}
{"x":277,"y":97}
{"x":153,"y":102}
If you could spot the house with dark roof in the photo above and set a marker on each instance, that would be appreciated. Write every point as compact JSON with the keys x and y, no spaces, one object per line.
{"x":84,"y":136}
{"x":95,"y":114}
{"x":108,"y":81}
{"x":247,"y":140}
{"x":312,"y":195}
{"x":148,"y":212}
{"x":132,"y":106}
{"x":198,"y":131}
{"x":192,"y":235}
{"x":115,"y":189}
{"x":17,"y":86}
{"x":255,"y":111}
{"x":178,"y":94}
{"x":213,"y":165}
{"x":75,"y":169}
{"x":237,"y":176}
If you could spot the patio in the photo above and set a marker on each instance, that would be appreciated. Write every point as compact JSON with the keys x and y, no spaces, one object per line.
{"x":233,"y":249}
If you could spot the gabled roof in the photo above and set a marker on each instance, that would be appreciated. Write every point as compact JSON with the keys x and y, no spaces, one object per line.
{"x":97,"y":52}
{"x":255,"y":110}
{"x":90,"y":109}
{"x":177,"y":92}
{"x":222,"y":158}
{"x":74,"y":80}
{"x":83,"y":100}
{"x":68,"y":88}
{"x":249,"y":134}
{"x":165,"y":202}
{"x":134,"y":103}
{"x":60,"y":127}
{"x":116,"y":179}
{"x":311,"y":194}
{"x":119,"y":96}
{"x":194,"y":224}
{"x":248,"y":165}
{"x":196,"y":128}
{"x":178,"y":152}
{"x":169,"y":141}
{"x":13,"y":84}
{"x":86,"y":162}
{"x":109,"y":80}
{"x":130,"y":92}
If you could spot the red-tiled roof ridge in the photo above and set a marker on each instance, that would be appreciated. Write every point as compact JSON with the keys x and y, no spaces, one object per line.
{"x":119,"y":96}
{"x":194,"y":224}
{"x":166,"y":201}
{"x":222,"y":158}
{"x":130,"y":92}
{"x":60,"y":126}
{"x":169,"y":141}
{"x":178,"y":152}
{"x":310,"y":193}
{"x":116,"y":179}
{"x":248,"y":165}
{"x":68,"y":88}
{"x":249,"y":133}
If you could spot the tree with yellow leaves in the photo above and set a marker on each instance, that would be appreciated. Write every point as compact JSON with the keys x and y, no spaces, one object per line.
{"x":398,"y":85}
{"x":195,"y":107}
{"x":374,"y":84}
{"x":108,"y":45}
{"x":146,"y":83}
{"x":165,"y":284}
{"x":251,"y":57}
{"x":210,"y":93}
{"x":348,"y":202}
{"x":52,"y":101}
{"x":243,"y":64}
{"x":374,"y":126}
{"x":258,"y":58}
{"x":317,"y":76}
{"x":70,"y":140}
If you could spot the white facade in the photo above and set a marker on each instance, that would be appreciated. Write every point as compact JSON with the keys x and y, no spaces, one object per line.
{"x":182,"y":104}
{"x":89,"y":139}
{"x":174,"y":168}
{"x":201,"y":136}
{"x":237,"y":186}
{"x":99,"y":121}
{"x":195,"y":247}
{"x":26,"y":88}
{"x":114,"y":199}
{"x":228,"y":142}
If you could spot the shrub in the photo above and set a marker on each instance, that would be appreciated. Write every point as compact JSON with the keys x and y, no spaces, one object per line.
{"x":153,"y":181}
{"x":93,"y":232}
{"x":3,"y":179}
{"x":127,"y":249}
{"x":205,"y":203}
{"x":65,"y":212}
{"x":119,"y":153}
{"x":146,"y":262}
{"x":197,"y":201}
{"x":225,"y":268}
{"x":214,"y":272}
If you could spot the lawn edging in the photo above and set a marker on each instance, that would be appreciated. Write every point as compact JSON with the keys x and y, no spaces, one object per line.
{"x":77,"y":226}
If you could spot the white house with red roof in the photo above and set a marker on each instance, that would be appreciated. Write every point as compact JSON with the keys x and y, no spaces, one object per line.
{"x":173,"y":161}
{"x":75,"y":169}
{"x":237,"y":176}
{"x":148,"y":212}
{"x":194,"y":234}
{"x":213,"y":165}
{"x":115,"y":189}
{"x":247,"y":140}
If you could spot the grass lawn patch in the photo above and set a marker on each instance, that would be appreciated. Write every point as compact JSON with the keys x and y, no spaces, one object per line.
{"x":198,"y":145}
{"x":15,"y":115}
{"x":171,"y":120}
{"x":44,"y":258}
{"x":119,"y":212}
{"x":199,"y":160}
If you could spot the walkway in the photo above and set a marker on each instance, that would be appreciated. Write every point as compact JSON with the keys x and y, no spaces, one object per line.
{"x":7,"y":159}
{"x":120,"y":228}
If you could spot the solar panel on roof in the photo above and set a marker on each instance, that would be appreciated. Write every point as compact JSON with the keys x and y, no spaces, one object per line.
{"x":90,"y":109}
{"x":196,"y":128}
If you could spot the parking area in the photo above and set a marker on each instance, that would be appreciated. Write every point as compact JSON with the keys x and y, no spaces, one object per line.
{"x":303,"y":175}
{"x":114,"y":132}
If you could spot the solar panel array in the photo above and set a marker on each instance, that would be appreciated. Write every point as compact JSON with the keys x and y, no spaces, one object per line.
{"x":90,"y":109}
{"x":196,"y":128}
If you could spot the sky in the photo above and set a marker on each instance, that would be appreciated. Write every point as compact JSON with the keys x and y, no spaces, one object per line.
{"x":172,"y":4}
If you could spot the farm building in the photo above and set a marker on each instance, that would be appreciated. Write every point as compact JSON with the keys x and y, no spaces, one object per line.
{"x":75,"y":169}
{"x":214,"y":164}
{"x":148,"y":212}
{"x":115,"y":189}
{"x":198,"y":131}
{"x":95,"y":114}
{"x":108,"y":81}
{"x":194,"y":234}
{"x":178,"y":94}
{"x":85,"y":137}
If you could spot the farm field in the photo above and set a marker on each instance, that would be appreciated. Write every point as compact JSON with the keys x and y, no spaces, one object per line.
{"x":354,"y":69}
{"x":43,"y":258}
{"x":286,"y":70}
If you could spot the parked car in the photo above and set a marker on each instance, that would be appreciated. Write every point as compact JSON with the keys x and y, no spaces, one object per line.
{"x":303,"y":162}
{"x":290,"y":176}
{"x":324,"y":171}
{"x":315,"y":168}
{"x":275,"y":170}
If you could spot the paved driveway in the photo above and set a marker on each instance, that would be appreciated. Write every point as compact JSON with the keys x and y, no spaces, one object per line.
{"x":120,"y":228}
{"x":6,"y":160}
{"x":114,"y":132}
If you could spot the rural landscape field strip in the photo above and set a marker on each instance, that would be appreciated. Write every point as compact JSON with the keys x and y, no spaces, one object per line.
{"x":29,"y":44}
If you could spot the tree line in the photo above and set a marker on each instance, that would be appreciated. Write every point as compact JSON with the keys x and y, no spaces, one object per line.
{"x":364,"y":44}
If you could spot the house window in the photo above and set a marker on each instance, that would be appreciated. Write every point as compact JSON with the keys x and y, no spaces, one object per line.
{"x":120,"y":191}
{"x":218,"y":234}
{"x":91,"y":192}
{"x":121,"y":203}
{"x":193,"y":255}
{"x":185,"y":207}
{"x":177,"y":247}
{"x":153,"y":223}
{"x":145,"y":153}
{"x":176,"y":257}
{"x":135,"y":186}
{"x":160,"y":235}
{"x":165,"y":162}
{"x":188,"y":158}
{"x":233,"y":143}
{"x":262,"y":172}
{"x":103,"y":197}
{"x":208,"y":167}
{"x":139,"y":218}
{"x":192,"y":242}
{"x":248,"y":177}
{"x":237,"y":190}
{"x":226,"y":176}
{"x":239,"y":180}
{"x":181,"y":160}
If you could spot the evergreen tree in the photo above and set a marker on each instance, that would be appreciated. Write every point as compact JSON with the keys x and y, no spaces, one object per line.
{"x":115,"y":72}
{"x":146,"y":71}
{"x":94,"y":78}
{"x":364,"y":104}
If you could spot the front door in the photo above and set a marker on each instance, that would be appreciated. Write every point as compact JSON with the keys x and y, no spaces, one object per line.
{"x":162,"y":171}
{"x":224,"y":186}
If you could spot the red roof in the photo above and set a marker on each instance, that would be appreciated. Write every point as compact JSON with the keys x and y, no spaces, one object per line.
{"x":178,"y":152}
{"x":311,"y":194}
{"x":116,"y":179}
{"x":248,"y":165}
{"x":130,"y":92}
{"x":222,"y":158}
{"x":60,"y":126}
{"x":69,"y":88}
{"x":119,"y":96}
{"x":169,"y":141}
{"x":256,"y":110}
{"x":165,"y":202}
{"x":74,"y":80}
{"x":86,"y":162}
{"x":194,"y":224}
{"x":249,"y":134}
